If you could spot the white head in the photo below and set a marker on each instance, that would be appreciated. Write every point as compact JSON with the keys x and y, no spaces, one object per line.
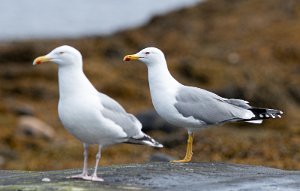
{"x":62,"y":56}
{"x":149,"y":56}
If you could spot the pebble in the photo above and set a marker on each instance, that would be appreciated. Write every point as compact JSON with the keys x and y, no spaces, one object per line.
{"x":46,"y":180}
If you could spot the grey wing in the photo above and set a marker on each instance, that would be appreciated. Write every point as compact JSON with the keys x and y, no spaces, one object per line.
{"x":238,"y":102}
{"x":207,"y":106}
{"x":115,"y":112}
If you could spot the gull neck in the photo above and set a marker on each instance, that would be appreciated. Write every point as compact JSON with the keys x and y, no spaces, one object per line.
{"x":72,"y":81}
{"x":160,"y":77}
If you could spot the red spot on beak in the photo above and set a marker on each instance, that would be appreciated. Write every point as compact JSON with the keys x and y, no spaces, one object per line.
{"x":38,"y":62}
{"x":130,"y":57}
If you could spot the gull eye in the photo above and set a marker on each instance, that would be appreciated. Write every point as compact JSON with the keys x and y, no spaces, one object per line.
{"x":61,"y":52}
{"x":147,"y":52}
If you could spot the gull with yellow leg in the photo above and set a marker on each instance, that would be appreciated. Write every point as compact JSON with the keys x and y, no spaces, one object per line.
{"x":191,"y":107}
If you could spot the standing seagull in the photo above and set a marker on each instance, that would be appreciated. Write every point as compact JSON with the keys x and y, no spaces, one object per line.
{"x":92,"y":117}
{"x":191,"y":107}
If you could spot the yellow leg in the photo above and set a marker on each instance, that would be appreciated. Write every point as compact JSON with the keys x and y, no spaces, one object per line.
{"x":189,"y":150}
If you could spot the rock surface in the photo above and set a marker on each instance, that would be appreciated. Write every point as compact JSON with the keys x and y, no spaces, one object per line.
{"x":238,"y":49}
{"x":159,"y":176}
{"x":161,"y":157}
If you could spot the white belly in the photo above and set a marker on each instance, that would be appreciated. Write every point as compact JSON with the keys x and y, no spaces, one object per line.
{"x":164,"y":104}
{"x":163,"y":88}
{"x":84,"y":121}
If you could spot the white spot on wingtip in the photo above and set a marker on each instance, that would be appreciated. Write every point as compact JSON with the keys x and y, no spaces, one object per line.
{"x":261,"y":115}
{"x":267,"y":115}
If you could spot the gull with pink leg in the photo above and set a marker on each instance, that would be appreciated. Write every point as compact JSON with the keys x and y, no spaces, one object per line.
{"x":92,"y":117}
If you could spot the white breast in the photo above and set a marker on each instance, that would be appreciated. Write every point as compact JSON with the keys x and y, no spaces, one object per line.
{"x":79,"y":110}
{"x":163,"y":88}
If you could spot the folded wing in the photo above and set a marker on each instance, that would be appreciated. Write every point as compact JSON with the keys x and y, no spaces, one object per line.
{"x":209,"y":107}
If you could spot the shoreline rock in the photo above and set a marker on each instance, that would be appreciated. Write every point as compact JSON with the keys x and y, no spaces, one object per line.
{"x":159,"y":176}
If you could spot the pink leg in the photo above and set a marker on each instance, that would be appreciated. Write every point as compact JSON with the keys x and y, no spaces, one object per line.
{"x":84,"y":174}
{"x":94,"y":176}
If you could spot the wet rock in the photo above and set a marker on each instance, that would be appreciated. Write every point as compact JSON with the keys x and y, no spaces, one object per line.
{"x":2,"y":160}
{"x":112,"y":52}
{"x":152,"y":121}
{"x":295,"y":93}
{"x":233,"y":58}
{"x":231,"y":91}
{"x":33,"y":127}
{"x":160,"y":176}
{"x":161,"y":157}
{"x":36,"y":91}
{"x":8,"y":153}
{"x":24,"y":110}
{"x":18,"y":54}
{"x":174,"y":140}
{"x":188,"y":70}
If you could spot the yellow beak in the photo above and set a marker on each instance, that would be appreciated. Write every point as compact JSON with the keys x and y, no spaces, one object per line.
{"x":40,"y":60}
{"x":131,"y":57}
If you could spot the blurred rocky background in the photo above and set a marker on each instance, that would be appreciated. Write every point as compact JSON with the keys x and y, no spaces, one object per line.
{"x":238,"y":49}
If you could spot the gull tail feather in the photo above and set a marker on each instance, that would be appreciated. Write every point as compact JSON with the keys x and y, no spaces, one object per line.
{"x":263,"y":113}
{"x":144,"y":140}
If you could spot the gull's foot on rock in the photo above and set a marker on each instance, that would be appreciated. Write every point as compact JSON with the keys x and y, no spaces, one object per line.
{"x":181,"y":161}
{"x":80,"y":176}
{"x":94,"y":178}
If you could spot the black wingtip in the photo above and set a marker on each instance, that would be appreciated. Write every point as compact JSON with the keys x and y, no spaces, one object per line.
{"x":262,"y":113}
{"x":145,"y":140}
